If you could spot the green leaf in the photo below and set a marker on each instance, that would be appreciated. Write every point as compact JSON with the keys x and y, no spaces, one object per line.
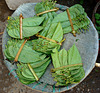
{"x":42,"y":67}
{"x":97,"y":16}
{"x":27,"y":55}
{"x":46,"y":25}
{"x":55,"y":58}
{"x":67,"y":67}
{"x":78,"y":26}
{"x":60,"y":17}
{"x":63,"y":57}
{"x":51,"y":30}
{"x":30,"y":26}
{"x":98,"y":22}
{"x":58,"y":34}
{"x":55,"y":32}
{"x":26,"y":76}
{"x":75,"y":10}
{"x":74,"y":56}
{"x":27,"y":32}
{"x":39,"y":63}
{"x":32,"y":21}
{"x":43,"y":6}
{"x":78,"y":16}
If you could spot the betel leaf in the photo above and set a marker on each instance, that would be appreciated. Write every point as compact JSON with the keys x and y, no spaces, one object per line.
{"x":78,"y":17}
{"x":60,"y":17}
{"x":32,"y":21}
{"x":22,"y":79}
{"x":44,"y":6}
{"x":77,"y":6}
{"x":75,"y":11}
{"x":74,"y":56}
{"x":63,"y":57}
{"x":27,"y":32}
{"x":30,"y":26}
{"x":44,"y":46}
{"x":76,"y":20}
{"x":26,"y":76}
{"x":38,"y":61}
{"x":58,"y":34}
{"x":27,"y":55}
{"x":13,"y":22}
{"x":46,"y":25}
{"x":55,"y":58}
{"x":67,"y":66}
{"x":55,"y":32}
{"x":78,"y":27}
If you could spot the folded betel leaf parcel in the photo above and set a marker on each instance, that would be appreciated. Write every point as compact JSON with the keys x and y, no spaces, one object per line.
{"x":77,"y":14}
{"x":26,"y":76}
{"x":50,"y":41}
{"x":30,"y":26}
{"x":78,"y":17}
{"x":43,"y":6}
{"x":28,"y":57}
{"x":68,"y":68}
{"x":46,"y":5}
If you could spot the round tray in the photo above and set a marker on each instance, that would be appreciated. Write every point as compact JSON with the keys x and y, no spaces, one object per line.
{"x":87,"y":45}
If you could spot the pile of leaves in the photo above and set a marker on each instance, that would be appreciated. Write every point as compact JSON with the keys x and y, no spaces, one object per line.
{"x":55,"y":32}
{"x":37,"y":60}
{"x":30,"y":26}
{"x":68,"y":67}
{"x":77,"y":13}
{"x":46,"y":36}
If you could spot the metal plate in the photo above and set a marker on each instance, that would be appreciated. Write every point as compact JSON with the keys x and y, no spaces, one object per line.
{"x":87,"y":45}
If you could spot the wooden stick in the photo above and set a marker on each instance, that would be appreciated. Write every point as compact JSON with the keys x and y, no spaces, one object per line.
{"x":16,"y":58}
{"x":97,"y":64}
{"x":1,"y":33}
{"x":34,"y":74}
{"x":21,"y":17}
{"x":73,"y":31}
{"x":63,"y":40}
{"x":66,"y":66}
{"x":55,"y":9}
{"x":48,"y":39}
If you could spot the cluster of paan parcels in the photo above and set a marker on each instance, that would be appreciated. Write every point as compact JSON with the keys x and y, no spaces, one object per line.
{"x":42,"y":37}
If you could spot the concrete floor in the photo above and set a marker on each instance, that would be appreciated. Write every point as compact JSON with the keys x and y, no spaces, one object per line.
{"x":9,"y":84}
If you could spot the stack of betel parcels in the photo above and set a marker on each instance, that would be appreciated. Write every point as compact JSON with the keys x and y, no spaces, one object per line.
{"x":36,"y":41}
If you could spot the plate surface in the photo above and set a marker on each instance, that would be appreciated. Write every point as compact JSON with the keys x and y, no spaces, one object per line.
{"x":87,"y":45}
